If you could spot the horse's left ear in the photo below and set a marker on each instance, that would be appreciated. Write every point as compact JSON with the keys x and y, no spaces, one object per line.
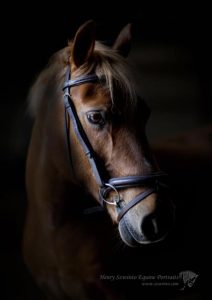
{"x":123,"y":41}
{"x":83,"y":43}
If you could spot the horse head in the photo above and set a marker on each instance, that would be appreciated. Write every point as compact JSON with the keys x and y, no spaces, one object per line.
{"x":111,"y":158}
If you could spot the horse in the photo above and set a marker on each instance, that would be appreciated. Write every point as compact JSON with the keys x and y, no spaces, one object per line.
{"x":92,"y":182}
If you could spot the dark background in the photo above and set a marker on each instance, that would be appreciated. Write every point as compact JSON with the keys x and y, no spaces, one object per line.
{"x":172,"y":50}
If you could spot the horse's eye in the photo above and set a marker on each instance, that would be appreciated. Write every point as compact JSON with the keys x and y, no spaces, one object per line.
{"x":96,"y":118}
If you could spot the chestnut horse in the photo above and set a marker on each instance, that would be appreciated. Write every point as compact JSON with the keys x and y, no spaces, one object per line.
{"x":88,"y":150}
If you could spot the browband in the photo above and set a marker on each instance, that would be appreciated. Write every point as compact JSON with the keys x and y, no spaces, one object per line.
{"x":80,"y":80}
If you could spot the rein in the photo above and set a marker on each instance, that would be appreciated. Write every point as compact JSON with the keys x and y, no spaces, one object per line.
{"x":113,"y":184}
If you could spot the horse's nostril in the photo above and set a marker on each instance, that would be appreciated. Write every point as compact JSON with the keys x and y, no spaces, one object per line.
{"x":149,"y":227}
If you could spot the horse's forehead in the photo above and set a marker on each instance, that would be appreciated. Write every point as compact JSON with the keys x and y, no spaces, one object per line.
{"x":90,"y":93}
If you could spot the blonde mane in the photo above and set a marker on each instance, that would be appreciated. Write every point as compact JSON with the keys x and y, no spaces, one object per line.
{"x":106,"y":63}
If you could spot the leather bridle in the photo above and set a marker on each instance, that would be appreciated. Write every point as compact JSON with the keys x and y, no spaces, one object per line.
{"x":113,"y":184}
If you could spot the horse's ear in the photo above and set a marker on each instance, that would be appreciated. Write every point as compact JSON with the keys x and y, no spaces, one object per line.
{"x":83,"y":43}
{"x":123,"y":42}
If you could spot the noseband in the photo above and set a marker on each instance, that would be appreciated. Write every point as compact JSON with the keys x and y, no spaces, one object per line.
{"x":113,"y":184}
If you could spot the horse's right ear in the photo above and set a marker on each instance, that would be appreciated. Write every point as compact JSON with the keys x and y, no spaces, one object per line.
{"x":83,"y":44}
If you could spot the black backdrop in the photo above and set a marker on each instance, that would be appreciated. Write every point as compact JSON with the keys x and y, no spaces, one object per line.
{"x":30,"y":33}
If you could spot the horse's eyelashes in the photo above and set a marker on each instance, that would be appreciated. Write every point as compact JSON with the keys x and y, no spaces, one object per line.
{"x":96,"y":118}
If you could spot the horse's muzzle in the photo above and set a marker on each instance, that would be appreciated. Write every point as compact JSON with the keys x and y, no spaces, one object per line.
{"x":138,"y":229}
